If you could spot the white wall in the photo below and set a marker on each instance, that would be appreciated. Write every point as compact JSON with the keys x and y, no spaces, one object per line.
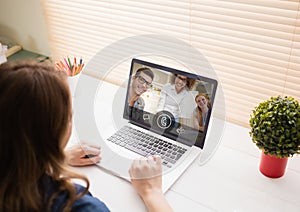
{"x":23,"y":21}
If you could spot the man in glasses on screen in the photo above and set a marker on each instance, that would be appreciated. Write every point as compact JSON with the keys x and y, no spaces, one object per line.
{"x":140,"y":83}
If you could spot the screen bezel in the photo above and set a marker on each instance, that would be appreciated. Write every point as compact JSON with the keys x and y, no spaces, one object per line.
{"x":214,"y":82}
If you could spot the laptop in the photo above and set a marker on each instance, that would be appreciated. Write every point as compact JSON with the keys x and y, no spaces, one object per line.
{"x":161,"y":118}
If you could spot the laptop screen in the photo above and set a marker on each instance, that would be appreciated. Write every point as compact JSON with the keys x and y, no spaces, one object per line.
{"x":169,"y":102}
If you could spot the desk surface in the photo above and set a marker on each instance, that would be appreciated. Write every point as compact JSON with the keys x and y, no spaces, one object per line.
{"x":230,"y":181}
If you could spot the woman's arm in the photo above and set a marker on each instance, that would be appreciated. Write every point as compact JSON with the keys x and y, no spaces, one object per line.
{"x":82,"y":155}
{"x":146,"y":178}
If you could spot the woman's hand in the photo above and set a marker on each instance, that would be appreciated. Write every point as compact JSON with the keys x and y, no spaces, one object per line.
{"x":146,"y":178}
{"x":83,"y":154}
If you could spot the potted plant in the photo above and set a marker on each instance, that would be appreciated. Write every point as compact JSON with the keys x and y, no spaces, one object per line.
{"x":275,"y":129}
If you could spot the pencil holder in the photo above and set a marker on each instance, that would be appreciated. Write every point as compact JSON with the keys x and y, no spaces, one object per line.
{"x":72,"y":81}
{"x":72,"y":69}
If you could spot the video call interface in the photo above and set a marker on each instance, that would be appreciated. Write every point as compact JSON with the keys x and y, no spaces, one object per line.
{"x":170,"y":102}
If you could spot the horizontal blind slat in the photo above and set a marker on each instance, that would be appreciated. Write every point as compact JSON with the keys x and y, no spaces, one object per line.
{"x":254,"y":46}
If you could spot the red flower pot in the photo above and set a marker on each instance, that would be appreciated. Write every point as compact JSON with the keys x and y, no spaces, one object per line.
{"x":272,"y":166}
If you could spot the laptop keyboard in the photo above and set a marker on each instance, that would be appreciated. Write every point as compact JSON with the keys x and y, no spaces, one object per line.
{"x":147,"y":145}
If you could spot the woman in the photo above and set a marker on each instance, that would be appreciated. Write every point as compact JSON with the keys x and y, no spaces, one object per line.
{"x":201,"y":111}
{"x":173,"y":94}
{"x":35,"y":125}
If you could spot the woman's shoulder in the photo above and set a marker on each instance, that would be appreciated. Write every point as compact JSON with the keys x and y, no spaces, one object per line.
{"x":88,"y":202}
{"x":85,"y":203}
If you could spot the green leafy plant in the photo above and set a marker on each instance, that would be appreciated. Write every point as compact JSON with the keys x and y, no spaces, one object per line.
{"x":275,"y":126}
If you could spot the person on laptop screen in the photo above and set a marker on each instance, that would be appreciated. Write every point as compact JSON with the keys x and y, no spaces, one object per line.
{"x":172,"y":95}
{"x":201,"y":111}
{"x":140,"y":83}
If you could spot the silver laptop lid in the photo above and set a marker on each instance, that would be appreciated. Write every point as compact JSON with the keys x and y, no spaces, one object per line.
{"x":169,"y":102}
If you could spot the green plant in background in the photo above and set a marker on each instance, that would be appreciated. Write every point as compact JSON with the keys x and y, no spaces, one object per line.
{"x":275,"y":126}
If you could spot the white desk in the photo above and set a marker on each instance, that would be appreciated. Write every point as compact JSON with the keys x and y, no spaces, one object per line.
{"x":230,"y":181}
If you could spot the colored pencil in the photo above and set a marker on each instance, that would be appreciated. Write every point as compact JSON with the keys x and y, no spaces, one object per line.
{"x":71,"y":69}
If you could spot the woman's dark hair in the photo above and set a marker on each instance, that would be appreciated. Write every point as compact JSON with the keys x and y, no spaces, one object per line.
{"x":35,"y":124}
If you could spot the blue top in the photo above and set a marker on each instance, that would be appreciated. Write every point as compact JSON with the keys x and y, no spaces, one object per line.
{"x":86,"y":203}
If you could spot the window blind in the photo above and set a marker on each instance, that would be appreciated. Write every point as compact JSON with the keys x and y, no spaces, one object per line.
{"x":254,"y":46}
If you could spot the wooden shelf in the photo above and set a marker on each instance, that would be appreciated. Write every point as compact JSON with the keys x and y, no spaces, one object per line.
{"x":28,"y":55}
